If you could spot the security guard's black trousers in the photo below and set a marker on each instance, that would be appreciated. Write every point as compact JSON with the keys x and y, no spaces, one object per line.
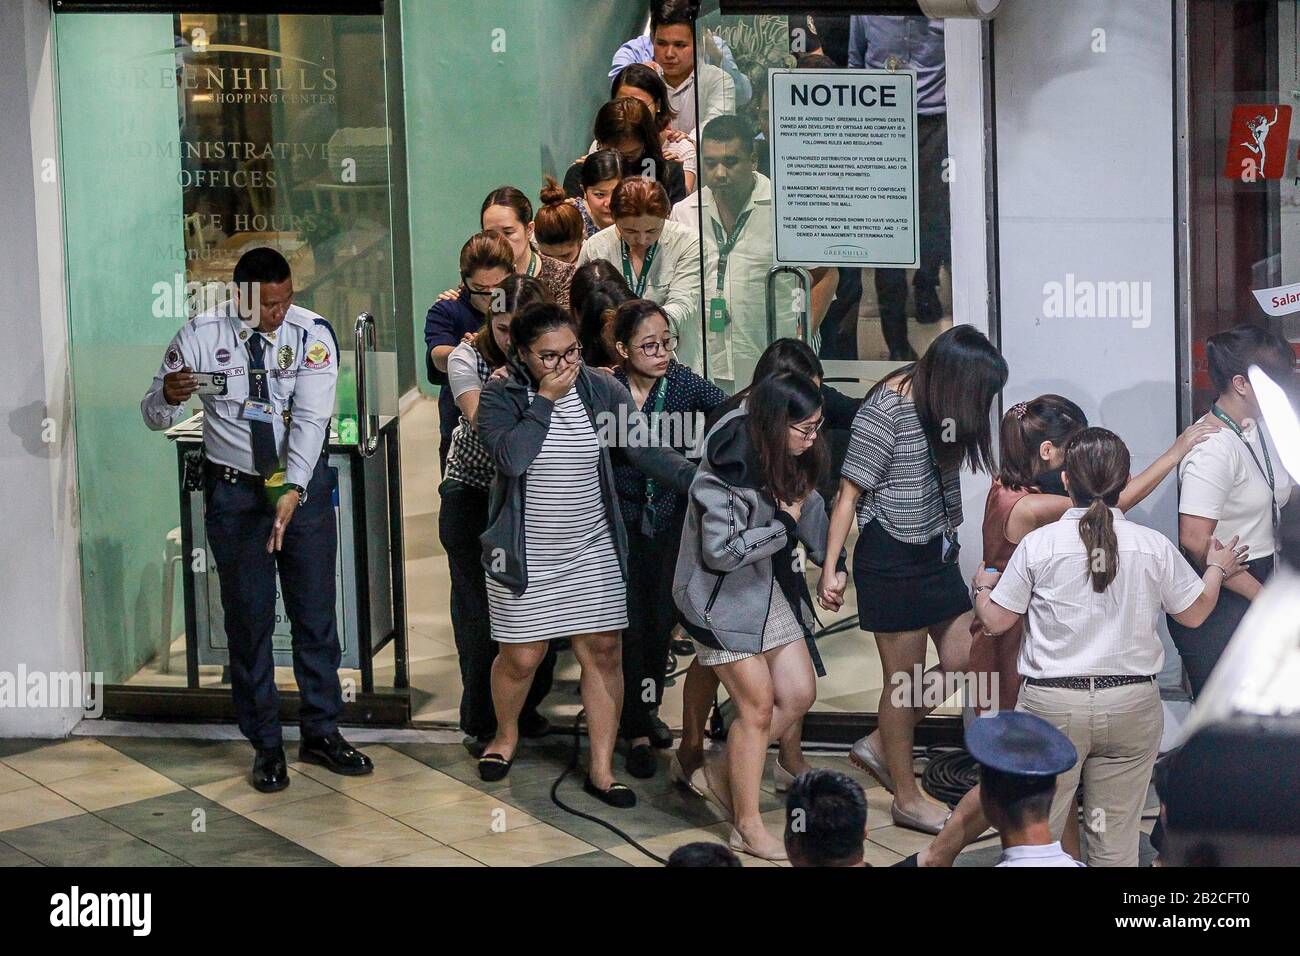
{"x":239,"y":521}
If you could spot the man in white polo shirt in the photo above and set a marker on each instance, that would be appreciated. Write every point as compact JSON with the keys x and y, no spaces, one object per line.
{"x":1233,"y":483}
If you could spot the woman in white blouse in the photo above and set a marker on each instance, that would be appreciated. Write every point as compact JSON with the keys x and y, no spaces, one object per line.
{"x":659,"y":258}
{"x":1091,"y":587}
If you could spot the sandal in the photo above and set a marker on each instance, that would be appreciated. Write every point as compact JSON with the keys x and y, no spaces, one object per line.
{"x":493,"y":767}
{"x":618,"y":795}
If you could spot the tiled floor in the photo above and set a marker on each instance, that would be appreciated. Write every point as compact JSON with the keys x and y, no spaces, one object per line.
{"x":129,"y":801}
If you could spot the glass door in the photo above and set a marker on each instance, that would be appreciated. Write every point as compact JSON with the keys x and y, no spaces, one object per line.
{"x":186,"y":140}
{"x":862,"y":322}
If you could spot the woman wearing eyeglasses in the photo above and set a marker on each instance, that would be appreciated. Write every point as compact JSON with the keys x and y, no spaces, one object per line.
{"x":677,"y":399}
{"x":485,"y":261}
{"x":659,"y":258}
{"x":555,"y":550}
{"x":740,"y":587}
{"x":463,"y":516}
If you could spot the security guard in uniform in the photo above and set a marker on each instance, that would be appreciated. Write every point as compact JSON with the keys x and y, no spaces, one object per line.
{"x":1020,"y":756}
{"x":268,"y":495}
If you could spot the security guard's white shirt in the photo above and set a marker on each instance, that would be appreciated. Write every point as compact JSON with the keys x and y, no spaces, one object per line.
{"x":302,"y":362}
{"x":1048,"y":854}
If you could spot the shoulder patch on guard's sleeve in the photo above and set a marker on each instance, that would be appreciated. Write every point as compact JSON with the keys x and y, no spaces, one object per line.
{"x":329,"y":328}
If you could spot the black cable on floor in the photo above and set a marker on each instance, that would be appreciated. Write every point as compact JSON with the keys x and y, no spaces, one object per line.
{"x":835,"y":628}
{"x":950,"y":772}
{"x":573,"y":765}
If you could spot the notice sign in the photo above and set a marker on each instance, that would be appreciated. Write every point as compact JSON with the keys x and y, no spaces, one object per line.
{"x":844,"y":167}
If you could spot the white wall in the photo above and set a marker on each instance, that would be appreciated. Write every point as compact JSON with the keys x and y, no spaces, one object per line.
{"x":967,"y":199}
{"x":1085,"y":169}
{"x":40,"y":590}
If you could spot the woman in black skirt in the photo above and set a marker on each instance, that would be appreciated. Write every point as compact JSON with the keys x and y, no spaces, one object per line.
{"x":901,"y":479}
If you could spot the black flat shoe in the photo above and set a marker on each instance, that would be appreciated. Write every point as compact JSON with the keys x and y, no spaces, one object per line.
{"x":336,"y":754}
{"x":618,"y":795}
{"x":533,"y":725}
{"x":270,"y":770}
{"x":493,"y":767}
{"x":641,"y":761}
{"x":907,"y":861}
{"x":661,"y":735}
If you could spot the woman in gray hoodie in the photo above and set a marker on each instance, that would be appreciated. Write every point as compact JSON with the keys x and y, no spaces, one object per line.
{"x":739,"y":581}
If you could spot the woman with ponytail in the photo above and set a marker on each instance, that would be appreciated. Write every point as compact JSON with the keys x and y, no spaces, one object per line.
{"x":1026,"y":494}
{"x":1090,"y":588}
{"x":558,"y":228}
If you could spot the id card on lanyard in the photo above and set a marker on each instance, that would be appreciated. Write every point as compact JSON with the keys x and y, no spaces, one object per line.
{"x":638,"y":284}
{"x":1265,"y":469}
{"x":718,"y":317}
{"x":648,"y":514}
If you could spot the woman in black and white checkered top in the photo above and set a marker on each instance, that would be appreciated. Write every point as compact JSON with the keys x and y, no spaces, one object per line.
{"x":900,"y":479}
{"x":463,"y":516}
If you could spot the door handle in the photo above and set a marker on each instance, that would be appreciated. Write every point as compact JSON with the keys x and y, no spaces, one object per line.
{"x":805,"y":286}
{"x":367,"y":424}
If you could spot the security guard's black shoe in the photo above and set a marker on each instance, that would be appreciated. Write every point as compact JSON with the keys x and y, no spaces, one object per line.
{"x":335,"y":753}
{"x":661,"y":735}
{"x":270,"y":770}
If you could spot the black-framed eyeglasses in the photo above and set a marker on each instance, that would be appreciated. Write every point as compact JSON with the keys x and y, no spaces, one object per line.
{"x":810,"y":431}
{"x":550,"y":360}
{"x":663,"y":345}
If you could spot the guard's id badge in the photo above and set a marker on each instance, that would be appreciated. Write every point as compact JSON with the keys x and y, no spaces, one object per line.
{"x":717,"y":314}
{"x":256,"y":410}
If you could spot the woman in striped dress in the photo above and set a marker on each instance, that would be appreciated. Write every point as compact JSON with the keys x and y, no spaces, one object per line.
{"x":463,"y":514}
{"x":555,"y":550}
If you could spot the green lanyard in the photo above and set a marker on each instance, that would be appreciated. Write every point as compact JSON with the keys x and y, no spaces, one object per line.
{"x":648,"y":514}
{"x":1222,"y":416}
{"x":638,"y":285}
{"x":534,"y":264}
{"x":725,"y":245}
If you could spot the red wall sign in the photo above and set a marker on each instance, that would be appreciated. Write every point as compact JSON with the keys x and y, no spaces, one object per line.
{"x":1257,"y":142}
